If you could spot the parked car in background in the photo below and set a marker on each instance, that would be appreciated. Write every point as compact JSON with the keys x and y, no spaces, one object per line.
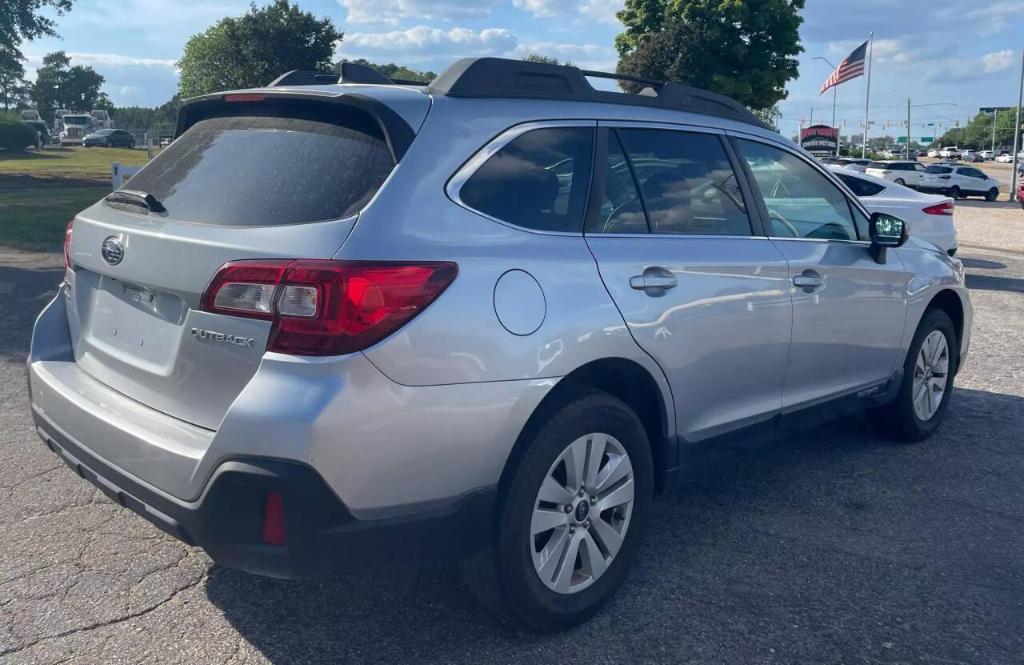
{"x":906,"y":173}
{"x":109,"y":138}
{"x":930,"y":216}
{"x":987,"y":155}
{"x":959,"y":181}
{"x":266,"y":347}
{"x":968,"y":155}
{"x":950,"y":152}
{"x":1004,"y":157}
{"x":933,"y":153}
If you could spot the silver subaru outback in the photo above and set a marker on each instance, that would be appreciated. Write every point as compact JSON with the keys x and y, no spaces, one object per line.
{"x":344,"y":323}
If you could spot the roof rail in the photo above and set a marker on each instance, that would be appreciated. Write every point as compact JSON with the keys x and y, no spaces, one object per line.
{"x":303,"y":77}
{"x":519,"y":79}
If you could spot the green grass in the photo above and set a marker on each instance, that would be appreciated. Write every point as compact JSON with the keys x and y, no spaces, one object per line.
{"x":72,"y":162}
{"x":41,"y":191}
{"x":35,"y":211}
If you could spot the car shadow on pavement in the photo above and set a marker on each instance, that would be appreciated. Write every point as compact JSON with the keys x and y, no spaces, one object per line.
{"x":24,"y":291}
{"x":994,"y":283}
{"x":756,"y":546}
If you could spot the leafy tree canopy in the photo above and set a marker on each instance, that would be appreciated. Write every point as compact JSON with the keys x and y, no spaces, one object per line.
{"x":977,"y":133}
{"x":13,"y":86}
{"x":59,"y":85}
{"x":746,"y":49}
{"x":255,"y":48}
{"x":22,"y":19}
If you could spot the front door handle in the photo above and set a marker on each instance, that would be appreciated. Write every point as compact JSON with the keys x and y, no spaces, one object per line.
{"x":654,"y":282}
{"x":808,"y":280}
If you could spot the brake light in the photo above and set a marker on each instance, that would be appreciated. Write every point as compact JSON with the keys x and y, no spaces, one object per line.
{"x":244,"y":97}
{"x":324,"y":307}
{"x":67,"y":244}
{"x":944,"y":208}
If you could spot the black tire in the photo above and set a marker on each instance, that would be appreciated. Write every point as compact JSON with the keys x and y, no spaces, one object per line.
{"x":955,"y":193}
{"x":898,"y":418}
{"x":502,"y":575}
{"x":992,"y":195}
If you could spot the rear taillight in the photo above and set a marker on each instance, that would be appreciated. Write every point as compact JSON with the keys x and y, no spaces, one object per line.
{"x":67,"y":244}
{"x":944,"y":208}
{"x":325,"y":307}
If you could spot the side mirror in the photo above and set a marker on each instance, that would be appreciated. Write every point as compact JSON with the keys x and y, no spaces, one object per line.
{"x":885,"y":231}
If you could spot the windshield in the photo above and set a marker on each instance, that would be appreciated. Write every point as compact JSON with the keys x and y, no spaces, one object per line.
{"x":938,"y":169}
{"x":76,"y":120}
{"x":264,"y":171}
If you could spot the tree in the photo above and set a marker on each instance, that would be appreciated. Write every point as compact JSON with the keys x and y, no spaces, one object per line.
{"x":13,"y":86}
{"x":59,"y":85}
{"x":255,"y":48}
{"x":977,"y":133}
{"x":392,"y":71}
{"x":21,"y":20}
{"x":746,"y":49}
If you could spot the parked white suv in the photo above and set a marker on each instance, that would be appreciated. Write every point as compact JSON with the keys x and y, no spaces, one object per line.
{"x":906,"y":173}
{"x":959,"y":182}
{"x":987,"y":154}
{"x":950,"y":152}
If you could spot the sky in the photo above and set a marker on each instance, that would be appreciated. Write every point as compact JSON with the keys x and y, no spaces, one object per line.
{"x":950,"y":57}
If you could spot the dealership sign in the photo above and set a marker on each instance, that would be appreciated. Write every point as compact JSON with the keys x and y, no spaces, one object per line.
{"x":819,"y":139}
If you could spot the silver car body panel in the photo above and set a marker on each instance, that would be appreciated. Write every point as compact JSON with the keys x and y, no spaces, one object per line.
{"x":433,"y":411}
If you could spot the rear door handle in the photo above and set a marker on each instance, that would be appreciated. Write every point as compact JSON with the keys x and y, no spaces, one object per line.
{"x":654,"y":282}
{"x":808,"y":280}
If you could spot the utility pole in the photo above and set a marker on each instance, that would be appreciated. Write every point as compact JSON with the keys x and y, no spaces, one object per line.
{"x":1016,"y":133}
{"x":908,"y":128}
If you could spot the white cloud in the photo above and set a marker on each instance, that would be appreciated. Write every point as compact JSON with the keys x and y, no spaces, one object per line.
{"x":433,"y":41}
{"x":391,"y":11}
{"x":998,"y":61}
{"x":592,"y":10}
{"x":118,"y":60}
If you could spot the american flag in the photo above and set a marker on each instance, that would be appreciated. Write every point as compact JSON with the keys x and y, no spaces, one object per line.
{"x":848,"y":69}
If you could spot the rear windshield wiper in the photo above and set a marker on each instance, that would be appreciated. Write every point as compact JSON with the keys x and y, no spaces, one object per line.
{"x":136,"y":198}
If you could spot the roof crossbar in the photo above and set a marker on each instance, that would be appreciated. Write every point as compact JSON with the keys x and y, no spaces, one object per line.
{"x":519,"y":79}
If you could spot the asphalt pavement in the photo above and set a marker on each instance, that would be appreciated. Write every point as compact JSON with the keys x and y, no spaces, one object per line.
{"x":835,"y":546}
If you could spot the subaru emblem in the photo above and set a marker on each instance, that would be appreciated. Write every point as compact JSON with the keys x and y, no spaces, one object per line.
{"x":112,"y":250}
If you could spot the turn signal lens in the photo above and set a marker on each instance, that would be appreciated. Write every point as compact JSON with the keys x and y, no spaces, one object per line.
{"x":326,"y":307}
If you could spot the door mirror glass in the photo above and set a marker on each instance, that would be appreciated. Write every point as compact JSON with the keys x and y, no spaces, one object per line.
{"x":887,"y":231}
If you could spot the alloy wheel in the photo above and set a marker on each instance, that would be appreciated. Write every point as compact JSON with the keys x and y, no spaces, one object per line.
{"x":931,"y":373}
{"x":582,"y":513}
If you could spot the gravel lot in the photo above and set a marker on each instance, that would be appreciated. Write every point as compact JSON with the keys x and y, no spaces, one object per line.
{"x":833,"y":546}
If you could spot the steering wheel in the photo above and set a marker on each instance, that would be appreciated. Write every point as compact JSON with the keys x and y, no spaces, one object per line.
{"x":772,"y":214}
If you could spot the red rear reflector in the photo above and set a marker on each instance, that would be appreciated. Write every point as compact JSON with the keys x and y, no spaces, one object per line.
{"x":944,"y":208}
{"x":244,"y":97}
{"x":322,"y":307}
{"x":67,"y":244}
{"x":272,"y":531}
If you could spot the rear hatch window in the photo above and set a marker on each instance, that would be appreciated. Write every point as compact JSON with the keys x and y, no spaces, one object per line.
{"x":317,"y":163}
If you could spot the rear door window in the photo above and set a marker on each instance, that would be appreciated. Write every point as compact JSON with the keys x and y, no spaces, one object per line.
{"x":308,"y":163}
{"x":859,"y":186}
{"x":538,"y":181}
{"x":687,"y":184}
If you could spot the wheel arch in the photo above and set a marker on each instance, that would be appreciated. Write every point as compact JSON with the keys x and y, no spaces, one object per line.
{"x":949,"y":302}
{"x":627,"y":380}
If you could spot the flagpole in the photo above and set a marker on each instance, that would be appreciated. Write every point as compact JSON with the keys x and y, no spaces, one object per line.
{"x":867,"y":97}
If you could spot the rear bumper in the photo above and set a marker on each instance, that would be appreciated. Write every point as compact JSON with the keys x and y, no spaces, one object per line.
{"x":323,"y":539}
